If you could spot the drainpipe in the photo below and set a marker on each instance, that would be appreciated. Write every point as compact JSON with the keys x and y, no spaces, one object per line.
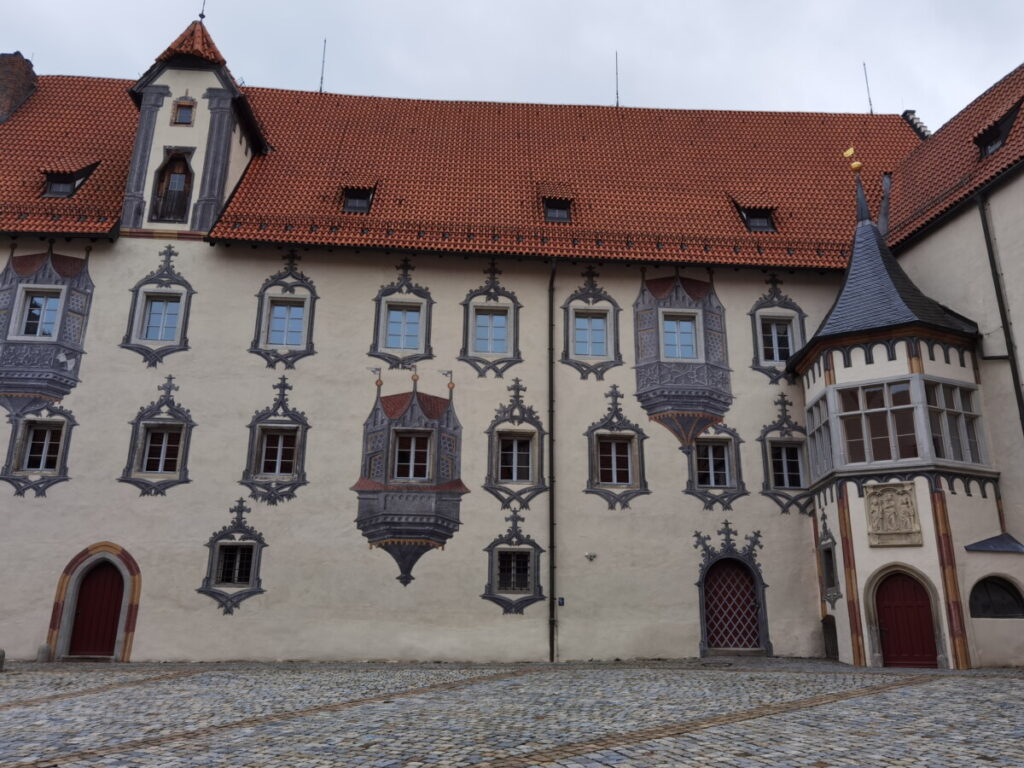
{"x":552,"y":598}
{"x":997,"y":283}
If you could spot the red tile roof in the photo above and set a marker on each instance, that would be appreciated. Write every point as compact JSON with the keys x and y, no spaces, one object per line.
{"x":67,"y":124}
{"x":194,"y":41}
{"x":947,"y":168}
{"x":433,"y":407}
{"x":646,"y":184}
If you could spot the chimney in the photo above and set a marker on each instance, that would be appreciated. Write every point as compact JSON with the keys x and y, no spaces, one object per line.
{"x":17,"y":81}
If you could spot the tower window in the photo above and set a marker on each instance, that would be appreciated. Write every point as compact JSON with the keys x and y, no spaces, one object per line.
{"x":557,"y":211}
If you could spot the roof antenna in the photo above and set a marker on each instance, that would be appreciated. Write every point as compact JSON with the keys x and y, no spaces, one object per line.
{"x":616,"y":76}
{"x":323,"y":61}
{"x":871,"y":108}
{"x":202,"y":11}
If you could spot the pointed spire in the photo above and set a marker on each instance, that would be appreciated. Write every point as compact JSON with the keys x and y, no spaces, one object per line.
{"x":863,"y":212}
{"x":194,"y":41}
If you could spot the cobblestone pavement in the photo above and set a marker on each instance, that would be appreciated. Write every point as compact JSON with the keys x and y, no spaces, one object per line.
{"x":747,"y":713}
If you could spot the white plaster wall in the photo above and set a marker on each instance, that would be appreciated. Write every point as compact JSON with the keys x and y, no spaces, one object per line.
{"x":239,"y":155}
{"x":328,"y":595}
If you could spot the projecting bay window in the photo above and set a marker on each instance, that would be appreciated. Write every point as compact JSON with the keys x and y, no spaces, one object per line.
{"x":412,"y":456}
{"x":952,"y":422}
{"x":878,"y":422}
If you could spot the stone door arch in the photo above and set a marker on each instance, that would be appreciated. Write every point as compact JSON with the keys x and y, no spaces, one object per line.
{"x":102,"y":580}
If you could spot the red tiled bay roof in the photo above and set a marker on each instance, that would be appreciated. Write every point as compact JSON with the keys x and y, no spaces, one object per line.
{"x":67,"y":124}
{"x":947,"y":168}
{"x":645,"y":184}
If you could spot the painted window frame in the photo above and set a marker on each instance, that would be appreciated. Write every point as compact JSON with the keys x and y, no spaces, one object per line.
{"x":19,"y":313}
{"x":404,"y":303}
{"x":163,"y":281}
{"x":276,"y":488}
{"x":787,"y":317}
{"x":696,"y":315}
{"x":591,"y":298}
{"x":238,"y":532}
{"x":775,"y":305}
{"x":723,"y":495}
{"x":14,"y":470}
{"x":289,"y":285}
{"x":402,"y":291}
{"x":162,"y":413}
{"x":515,"y":419}
{"x":616,"y":425}
{"x":831,"y":589}
{"x":513,"y":540}
{"x":491,"y":296}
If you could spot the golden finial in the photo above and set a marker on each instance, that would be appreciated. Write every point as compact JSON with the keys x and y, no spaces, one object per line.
{"x":856,"y":165}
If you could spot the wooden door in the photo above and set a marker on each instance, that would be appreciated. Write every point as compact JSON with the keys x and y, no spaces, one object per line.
{"x":97,"y":611}
{"x":730,"y":606}
{"x":905,"y":622}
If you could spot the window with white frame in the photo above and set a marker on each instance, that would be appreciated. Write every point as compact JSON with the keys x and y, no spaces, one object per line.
{"x":777,"y":339}
{"x":953,"y":422}
{"x":411,"y":456}
{"x":162,"y":448}
{"x":614,"y":460}
{"x":787,"y":465}
{"x":714,"y":464}
{"x":680,"y":336}
{"x":286,"y":323}
{"x":819,"y":438}
{"x":42,"y":445}
{"x":403,"y":327}
{"x":234,"y":565}
{"x":490,"y":331}
{"x":590,"y":334}
{"x":161,"y":317}
{"x":878,"y":422}
{"x":514,"y":570}
{"x":39,"y":313}
{"x":515,"y":458}
{"x":276,"y":452}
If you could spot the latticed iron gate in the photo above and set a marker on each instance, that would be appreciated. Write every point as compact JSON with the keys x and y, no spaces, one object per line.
{"x":731,"y":606}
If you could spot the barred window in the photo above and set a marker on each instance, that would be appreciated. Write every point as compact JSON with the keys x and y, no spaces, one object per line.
{"x":514,"y":570}
{"x":234,"y":564}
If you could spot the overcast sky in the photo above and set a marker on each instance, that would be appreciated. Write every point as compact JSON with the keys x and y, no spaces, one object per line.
{"x":930,"y":56}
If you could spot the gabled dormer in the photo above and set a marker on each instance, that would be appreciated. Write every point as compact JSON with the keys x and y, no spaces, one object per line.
{"x":195,"y":136}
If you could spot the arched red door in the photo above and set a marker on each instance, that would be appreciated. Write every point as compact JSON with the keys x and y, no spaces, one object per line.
{"x":730,"y":606}
{"x":905,"y":622}
{"x":97,"y":611}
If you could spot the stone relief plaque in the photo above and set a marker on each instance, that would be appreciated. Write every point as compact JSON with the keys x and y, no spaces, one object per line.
{"x":892,"y":515}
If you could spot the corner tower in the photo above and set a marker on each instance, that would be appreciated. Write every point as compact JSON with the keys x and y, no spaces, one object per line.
{"x":195,"y":136}
{"x":901,"y":472}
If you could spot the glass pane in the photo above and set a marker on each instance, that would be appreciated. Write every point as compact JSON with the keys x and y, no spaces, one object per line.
{"x":973,"y":450}
{"x":935,"y":422}
{"x":874,"y":397}
{"x":953,"y":428}
{"x":931,"y":393}
{"x":848,"y":400}
{"x":854,"y":435}
{"x":899,"y":393}
{"x":878,"y":429}
{"x":906,"y":439}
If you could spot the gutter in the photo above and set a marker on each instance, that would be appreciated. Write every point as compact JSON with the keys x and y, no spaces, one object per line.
{"x":552,"y":568}
{"x":997,"y":283}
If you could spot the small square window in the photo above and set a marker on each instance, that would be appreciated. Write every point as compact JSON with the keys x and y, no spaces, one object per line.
{"x":412,"y":456}
{"x":615,"y":460}
{"x":162,"y":448}
{"x":40,"y":314}
{"x":42,"y":446}
{"x":490,"y":331}
{"x":286,"y":323}
{"x":161,"y":317}
{"x":557,"y":211}
{"x":787,"y":465}
{"x":357,"y":200}
{"x":515,"y":458}
{"x":514,"y":570}
{"x":713,"y":465}
{"x":234,"y":565}
{"x":776,"y":339}
{"x":758,"y":219}
{"x":184,"y":113}
{"x":276,"y":452}
{"x":590,"y":334}
{"x":403,"y":328}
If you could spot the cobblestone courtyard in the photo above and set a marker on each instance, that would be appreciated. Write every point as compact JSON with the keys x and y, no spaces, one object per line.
{"x":718,"y":712}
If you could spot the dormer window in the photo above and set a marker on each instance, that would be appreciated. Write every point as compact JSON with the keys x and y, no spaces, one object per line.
{"x":557,"y":210}
{"x":994,"y":137}
{"x":66,"y":184}
{"x":758,"y":219}
{"x":184,"y":112}
{"x":357,"y":200}
{"x":173,"y":190}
